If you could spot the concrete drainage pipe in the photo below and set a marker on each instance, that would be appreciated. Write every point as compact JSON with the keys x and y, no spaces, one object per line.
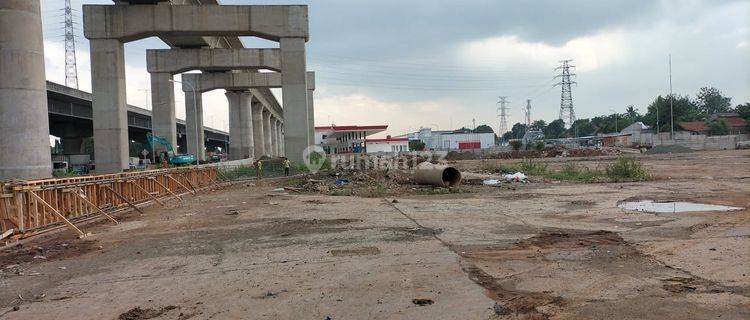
{"x":437,"y":175}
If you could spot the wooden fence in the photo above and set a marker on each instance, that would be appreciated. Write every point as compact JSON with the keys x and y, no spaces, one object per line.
{"x":30,"y":206}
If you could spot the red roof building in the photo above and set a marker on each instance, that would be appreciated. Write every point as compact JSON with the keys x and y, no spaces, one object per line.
{"x":694,"y":126}
{"x":736,"y":124}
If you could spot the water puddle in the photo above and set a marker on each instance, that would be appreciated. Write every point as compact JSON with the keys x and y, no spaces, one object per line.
{"x":672,"y":206}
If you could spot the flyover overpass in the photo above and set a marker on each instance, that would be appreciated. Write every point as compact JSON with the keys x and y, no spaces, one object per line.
{"x":70,"y":118}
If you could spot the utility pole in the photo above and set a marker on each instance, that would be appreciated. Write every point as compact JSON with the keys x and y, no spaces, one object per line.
{"x":71,"y":70}
{"x":528,"y":113}
{"x":617,"y":118}
{"x":503,"y":114}
{"x":473,"y":130}
{"x":566,"y":96}
{"x":671,"y":98}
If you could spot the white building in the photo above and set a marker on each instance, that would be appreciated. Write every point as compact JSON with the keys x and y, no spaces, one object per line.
{"x":388,"y":145}
{"x":345,"y":139}
{"x":452,"y":140}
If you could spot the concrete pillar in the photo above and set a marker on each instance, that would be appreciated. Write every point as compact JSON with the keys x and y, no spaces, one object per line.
{"x":258,"y":137}
{"x":235,"y":129}
{"x":274,"y":138}
{"x":194,"y":124}
{"x":310,"y":118}
{"x":240,"y":125}
{"x":163,"y":121}
{"x":310,"y":107}
{"x":110,"y":115}
{"x":267,"y":133}
{"x":277,"y":132}
{"x":294,"y":87}
{"x":24,"y":128}
{"x":281,"y":141}
{"x":246,"y":114}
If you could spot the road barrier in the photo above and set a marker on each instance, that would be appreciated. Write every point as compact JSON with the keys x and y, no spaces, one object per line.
{"x":29,"y":207}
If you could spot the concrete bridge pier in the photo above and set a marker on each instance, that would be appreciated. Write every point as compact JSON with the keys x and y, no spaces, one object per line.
{"x":194,"y":124}
{"x":274,"y":138}
{"x":267,"y":133}
{"x":294,"y":86}
{"x":279,"y":137}
{"x":240,"y":125}
{"x":281,"y":144}
{"x":107,"y":28}
{"x":24,"y":129}
{"x":310,"y":107}
{"x":109,"y":112}
{"x":163,"y":109}
{"x":258,"y":133}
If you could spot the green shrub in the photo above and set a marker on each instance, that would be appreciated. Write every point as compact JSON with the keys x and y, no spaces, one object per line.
{"x":571,"y":172}
{"x":531,"y":167}
{"x":539,"y":145}
{"x":626,"y":169}
{"x":64,"y":173}
{"x":515,"y":144}
{"x":239,"y":172}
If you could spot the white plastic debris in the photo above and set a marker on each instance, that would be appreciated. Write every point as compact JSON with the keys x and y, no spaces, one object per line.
{"x":516,"y":177}
{"x":491,"y":182}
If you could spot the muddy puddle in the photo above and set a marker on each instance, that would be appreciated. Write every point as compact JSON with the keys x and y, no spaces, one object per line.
{"x":672,"y":206}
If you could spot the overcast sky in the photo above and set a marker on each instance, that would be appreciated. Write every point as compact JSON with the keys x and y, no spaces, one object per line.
{"x":440,"y":64}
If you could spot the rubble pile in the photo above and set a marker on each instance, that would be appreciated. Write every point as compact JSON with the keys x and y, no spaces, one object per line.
{"x":371,"y":183}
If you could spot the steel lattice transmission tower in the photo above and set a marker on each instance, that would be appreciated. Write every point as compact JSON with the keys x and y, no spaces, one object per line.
{"x":503,"y":114}
{"x":566,"y":96}
{"x":71,"y":70}
{"x":528,"y":113}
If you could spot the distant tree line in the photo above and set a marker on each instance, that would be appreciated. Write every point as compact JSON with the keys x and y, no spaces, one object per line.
{"x":708,"y":101}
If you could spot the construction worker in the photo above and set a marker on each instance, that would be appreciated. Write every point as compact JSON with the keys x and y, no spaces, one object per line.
{"x":287,"y":165}
{"x":259,"y":169}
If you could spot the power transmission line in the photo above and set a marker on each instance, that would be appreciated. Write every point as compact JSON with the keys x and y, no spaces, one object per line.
{"x":502,"y":109}
{"x":566,"y":96}
{"x":71,"y":70}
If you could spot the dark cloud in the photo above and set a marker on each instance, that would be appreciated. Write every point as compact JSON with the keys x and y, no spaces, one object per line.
{"x":393,"y":28}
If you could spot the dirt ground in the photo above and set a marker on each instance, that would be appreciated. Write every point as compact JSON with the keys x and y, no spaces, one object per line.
{"x":548,"y":250}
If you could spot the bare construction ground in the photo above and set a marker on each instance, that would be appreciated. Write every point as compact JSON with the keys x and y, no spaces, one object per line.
{"x":546,"y":250}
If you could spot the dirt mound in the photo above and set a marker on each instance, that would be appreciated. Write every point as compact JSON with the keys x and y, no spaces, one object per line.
{"x":572,"y":238}
{"x":368,"y":184}
{"x":141,"y":314}
{"x":675,"y":148}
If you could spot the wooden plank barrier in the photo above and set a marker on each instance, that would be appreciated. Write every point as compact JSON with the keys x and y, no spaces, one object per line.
{"x":30,"y":206}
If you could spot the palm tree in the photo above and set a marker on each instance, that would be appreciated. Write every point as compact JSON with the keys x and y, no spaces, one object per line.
{"x":632,"y":112}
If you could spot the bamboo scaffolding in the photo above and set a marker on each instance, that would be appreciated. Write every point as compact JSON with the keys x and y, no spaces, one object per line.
{"x":123,"y":198}
{"x":27,"y":207}
{"x":81,"y":196}
{"x":179,"y":183}
{"x":70,"y":224}
{"x":148,"y":193}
